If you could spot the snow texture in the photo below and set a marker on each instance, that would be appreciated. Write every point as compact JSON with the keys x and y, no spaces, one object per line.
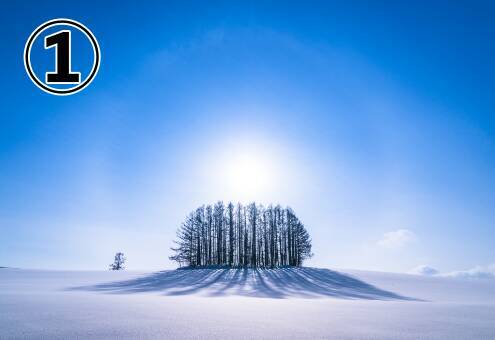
{"x":289,"y":303}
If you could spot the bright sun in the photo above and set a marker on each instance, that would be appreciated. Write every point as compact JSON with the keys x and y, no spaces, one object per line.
{"x":248,"y":176}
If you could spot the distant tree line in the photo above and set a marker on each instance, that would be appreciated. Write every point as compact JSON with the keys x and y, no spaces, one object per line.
{"x":241,"y":236}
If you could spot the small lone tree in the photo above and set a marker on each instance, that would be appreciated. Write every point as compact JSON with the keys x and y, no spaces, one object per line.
{"x":118,"y":262}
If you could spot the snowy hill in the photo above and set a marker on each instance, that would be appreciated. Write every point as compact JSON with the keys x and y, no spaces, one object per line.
{"x":221,"y":303}
{"x":276,"y":283}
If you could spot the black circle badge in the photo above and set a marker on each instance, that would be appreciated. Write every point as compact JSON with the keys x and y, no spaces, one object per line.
{"x":62,"y":56}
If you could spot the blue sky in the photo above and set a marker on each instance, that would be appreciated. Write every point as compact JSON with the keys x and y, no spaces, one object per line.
{"x":374,"y":123}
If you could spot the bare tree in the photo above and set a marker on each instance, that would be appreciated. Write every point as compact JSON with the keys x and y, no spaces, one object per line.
{"x":118,"y":262}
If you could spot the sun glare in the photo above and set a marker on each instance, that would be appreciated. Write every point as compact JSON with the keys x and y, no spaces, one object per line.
{"x":249,"y":176}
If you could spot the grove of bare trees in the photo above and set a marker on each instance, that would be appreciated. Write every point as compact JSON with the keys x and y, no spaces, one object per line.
{"x":241,"y":236}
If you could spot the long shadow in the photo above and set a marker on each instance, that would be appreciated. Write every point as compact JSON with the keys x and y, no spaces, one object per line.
{"x":276,"y":283}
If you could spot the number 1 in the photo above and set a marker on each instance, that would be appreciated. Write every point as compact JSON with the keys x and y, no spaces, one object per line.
{"x":62,"y":75}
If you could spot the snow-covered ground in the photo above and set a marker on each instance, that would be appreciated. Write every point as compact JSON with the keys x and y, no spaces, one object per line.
{"x":305,"y":303}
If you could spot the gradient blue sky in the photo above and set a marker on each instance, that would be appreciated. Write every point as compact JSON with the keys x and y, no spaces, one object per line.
{"x":375,"y":123}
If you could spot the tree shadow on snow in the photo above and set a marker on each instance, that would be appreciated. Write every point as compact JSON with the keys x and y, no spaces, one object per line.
{"x":268,"y":283}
